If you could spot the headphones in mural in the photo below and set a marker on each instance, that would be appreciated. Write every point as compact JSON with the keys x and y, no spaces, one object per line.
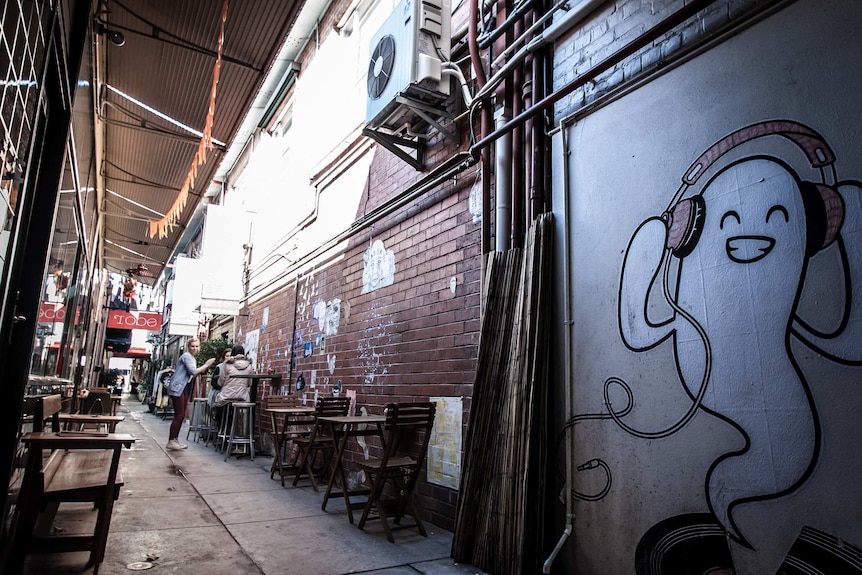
{"x":824,"y":208}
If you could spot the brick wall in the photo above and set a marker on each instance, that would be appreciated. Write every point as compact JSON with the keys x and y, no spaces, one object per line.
{"x":408,"y":341}
{"x":615,"y":24}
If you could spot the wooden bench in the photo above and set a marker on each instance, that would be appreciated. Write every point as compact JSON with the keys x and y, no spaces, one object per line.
{"x":64,"y":467}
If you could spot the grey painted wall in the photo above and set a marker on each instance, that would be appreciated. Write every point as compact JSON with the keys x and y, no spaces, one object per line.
{"x":719,"y":418}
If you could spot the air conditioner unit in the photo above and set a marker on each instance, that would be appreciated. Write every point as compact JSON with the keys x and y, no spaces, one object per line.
{"x":405,"y":61}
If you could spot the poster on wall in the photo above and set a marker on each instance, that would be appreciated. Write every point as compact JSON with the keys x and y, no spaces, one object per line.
{"x":251,"y":340}
{"x":444,"y":448}
{"x":718,"y":377}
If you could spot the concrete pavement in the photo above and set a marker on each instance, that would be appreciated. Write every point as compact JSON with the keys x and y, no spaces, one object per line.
{"x":192,"y":513}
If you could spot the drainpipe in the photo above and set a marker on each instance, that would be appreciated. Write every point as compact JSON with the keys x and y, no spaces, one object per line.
{"x":528,"y":135}
{"x":567,"y":362}
{"x":518,"y":163}
{"x":485,"y":127}
{"x":293,"y":335}
{"x":503,"y":183}
{"x":538,"y":148}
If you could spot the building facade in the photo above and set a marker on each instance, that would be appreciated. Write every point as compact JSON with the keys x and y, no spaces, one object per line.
{"x":698,"y":382}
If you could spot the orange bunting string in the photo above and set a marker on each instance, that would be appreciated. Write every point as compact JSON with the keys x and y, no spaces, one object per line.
{"x":164,"y":226}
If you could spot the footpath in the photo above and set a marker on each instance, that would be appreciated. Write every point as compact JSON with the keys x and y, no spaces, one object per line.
{"x":190,"y":512}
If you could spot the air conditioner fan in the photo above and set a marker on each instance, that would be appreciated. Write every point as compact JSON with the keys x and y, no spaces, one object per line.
{"x":380,"y":67}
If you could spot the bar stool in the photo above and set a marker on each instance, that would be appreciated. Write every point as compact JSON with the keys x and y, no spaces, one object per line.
{"x":211,"y":428}
{"x":223,"y":430}
{"x":241,"y":427}
{"x":197,"y":417}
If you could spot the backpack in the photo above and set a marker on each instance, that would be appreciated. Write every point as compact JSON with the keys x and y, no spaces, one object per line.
{"x":214,"y":382}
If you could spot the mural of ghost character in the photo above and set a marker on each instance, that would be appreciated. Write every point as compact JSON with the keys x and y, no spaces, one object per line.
{"x":729,"y":264}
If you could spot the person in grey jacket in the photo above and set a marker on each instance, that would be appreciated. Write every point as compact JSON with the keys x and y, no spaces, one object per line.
{"x":234,"y":388}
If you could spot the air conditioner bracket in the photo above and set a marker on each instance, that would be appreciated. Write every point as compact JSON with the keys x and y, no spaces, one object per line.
{"x":395,"y":143}
{"x":392,"y":142}
{"x":425,"y":112}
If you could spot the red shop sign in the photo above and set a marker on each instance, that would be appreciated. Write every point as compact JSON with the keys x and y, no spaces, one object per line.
{"x":53,"y":313}
{"x":119,"y":319}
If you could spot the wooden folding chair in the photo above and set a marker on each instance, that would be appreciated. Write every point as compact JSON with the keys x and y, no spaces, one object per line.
{"x":320,"y":442}
{"x":408,"y":430}
{"x":293,"y":426}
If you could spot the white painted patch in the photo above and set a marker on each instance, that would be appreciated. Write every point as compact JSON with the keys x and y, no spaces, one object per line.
{"x":476,"y":200}
{"x":332,"y":317}
{"x":379,"y":267}
{"x":319,"y":313}
{"x":453,"y":283}
{"x":330,"y":362}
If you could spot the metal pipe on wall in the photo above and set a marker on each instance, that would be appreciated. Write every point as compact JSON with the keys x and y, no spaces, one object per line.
{"x":518,"y":151}
{"x":503,"y":184}
{"x":503,"y":159}
{"x":567,"y":355}
{"x":641,"y":41}
{"x":538,"y":147}
{"x":485,"y":123}
{"x":528,"y":136}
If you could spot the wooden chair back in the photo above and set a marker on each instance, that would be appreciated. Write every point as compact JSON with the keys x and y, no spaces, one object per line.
{"x":332,"y":406}
{"x":48,"y":406}
{"x":276,"y":401}
{"x":97,"y":402}
{"x":408,"y":431}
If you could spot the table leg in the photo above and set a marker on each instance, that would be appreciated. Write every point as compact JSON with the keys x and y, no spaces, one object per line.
{"x":276,"y":462}
{"x":339,"y":442}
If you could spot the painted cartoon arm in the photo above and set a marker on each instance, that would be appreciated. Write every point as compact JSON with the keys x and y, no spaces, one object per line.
{"x":640,"y":326}
{"x":842,"y":344}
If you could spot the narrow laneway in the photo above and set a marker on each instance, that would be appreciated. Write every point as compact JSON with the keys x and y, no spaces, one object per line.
{"x":190,"y":512}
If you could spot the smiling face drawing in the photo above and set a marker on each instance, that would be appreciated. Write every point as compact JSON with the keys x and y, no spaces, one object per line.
{"x":754,"y":232}
{"x":747,"y":246}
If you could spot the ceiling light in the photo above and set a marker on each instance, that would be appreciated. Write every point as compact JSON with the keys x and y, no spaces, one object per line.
{"x":116,"y":37}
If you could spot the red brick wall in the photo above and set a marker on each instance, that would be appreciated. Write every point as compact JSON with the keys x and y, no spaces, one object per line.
{"x":409,"y":341}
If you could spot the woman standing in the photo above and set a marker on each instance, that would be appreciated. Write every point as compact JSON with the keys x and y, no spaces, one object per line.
{"x":186,"y":369}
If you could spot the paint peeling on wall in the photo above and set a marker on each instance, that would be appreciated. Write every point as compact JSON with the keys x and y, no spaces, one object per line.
{"x":307,"y":293}
{"x":375,"y":335}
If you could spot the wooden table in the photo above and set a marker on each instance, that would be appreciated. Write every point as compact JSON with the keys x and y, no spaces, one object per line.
{"x":274,"y":412}
{"x":110,"y":421}
{"x":341,"y":430}
{"x":255,"y":378}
